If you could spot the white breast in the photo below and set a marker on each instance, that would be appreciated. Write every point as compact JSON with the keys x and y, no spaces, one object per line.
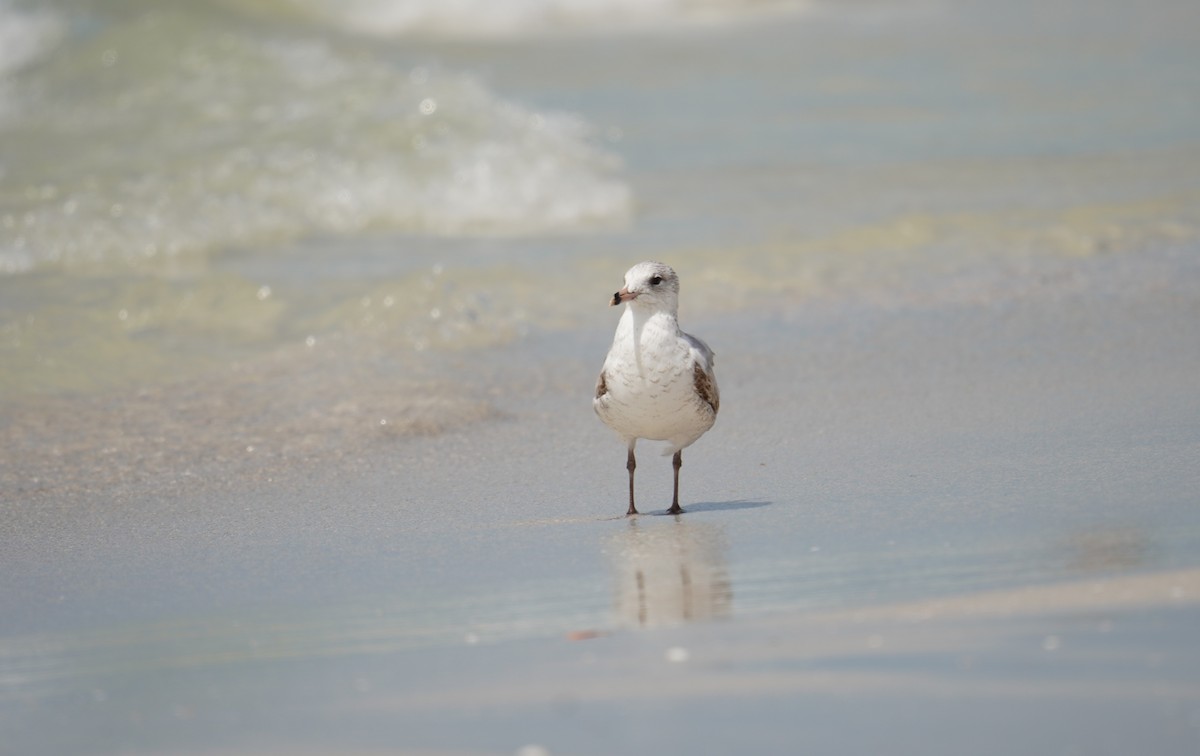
{"x":650,"y":384}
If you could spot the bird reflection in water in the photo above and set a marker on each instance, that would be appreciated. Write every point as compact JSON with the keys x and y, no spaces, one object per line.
{"x":669,"y":574}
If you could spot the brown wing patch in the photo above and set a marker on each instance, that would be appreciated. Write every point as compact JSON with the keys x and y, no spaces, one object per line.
{"x":705,"y":387}
{"x":601,"y":385}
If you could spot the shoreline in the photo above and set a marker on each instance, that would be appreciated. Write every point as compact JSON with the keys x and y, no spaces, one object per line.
{"x":870,"y":418}
{"x":297,"y":452}
{"x":867,"y":457}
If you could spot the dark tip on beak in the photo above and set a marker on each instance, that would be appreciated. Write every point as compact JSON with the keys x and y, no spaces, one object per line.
{"x":623,"y":295}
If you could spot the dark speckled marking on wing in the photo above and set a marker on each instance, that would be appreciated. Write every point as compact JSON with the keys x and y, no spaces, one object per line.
{"x":704,"y":387}
{"x":601,"y":385}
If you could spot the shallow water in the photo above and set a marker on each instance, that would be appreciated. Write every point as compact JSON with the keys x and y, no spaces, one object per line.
{"x":184,"y":185}
{"x":199,"y":202}
{"x":480,"y":590}
{"x":261,"y":263}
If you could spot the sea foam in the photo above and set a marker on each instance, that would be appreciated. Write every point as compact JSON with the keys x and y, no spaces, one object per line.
{"x":515,"y":18}
{"x":161,"y":136}
{"x":26,"y":35}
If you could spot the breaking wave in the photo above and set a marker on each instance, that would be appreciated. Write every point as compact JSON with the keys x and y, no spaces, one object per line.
{"x":163,"y":134}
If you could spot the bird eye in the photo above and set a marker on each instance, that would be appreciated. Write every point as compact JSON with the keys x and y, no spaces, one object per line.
{"x":656,"y":281}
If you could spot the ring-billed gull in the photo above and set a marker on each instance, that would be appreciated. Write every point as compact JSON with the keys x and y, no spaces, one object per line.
{"x":657,"y":382}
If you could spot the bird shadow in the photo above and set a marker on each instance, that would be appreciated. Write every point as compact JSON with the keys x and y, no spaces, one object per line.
{"x":719,"y":506}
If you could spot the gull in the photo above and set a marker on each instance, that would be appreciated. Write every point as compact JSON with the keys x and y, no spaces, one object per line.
{"x":657,"y":382}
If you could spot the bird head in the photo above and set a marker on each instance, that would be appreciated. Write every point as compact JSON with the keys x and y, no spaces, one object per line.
{"x":652,"y":285}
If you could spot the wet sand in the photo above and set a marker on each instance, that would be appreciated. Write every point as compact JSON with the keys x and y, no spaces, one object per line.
{"x":322,"y":487}
{"x":962,"y":527}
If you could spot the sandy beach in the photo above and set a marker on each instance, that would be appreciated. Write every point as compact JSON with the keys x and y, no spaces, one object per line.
{"x":976,"y":523}
{"x":297,"y":352}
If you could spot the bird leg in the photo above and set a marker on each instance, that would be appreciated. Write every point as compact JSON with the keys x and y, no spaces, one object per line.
{"x":677,"y":463}
{"x":631,"y":465}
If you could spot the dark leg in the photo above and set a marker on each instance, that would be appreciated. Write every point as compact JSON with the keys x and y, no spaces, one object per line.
{"x":631,"y":465}
{"x":677,"y":463}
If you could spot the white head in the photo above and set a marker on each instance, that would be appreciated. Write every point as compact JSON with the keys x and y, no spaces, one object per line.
{"x":650,"y":285}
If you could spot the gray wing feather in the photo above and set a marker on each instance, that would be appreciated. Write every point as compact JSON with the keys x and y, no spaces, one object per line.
{"x":701,"y":351}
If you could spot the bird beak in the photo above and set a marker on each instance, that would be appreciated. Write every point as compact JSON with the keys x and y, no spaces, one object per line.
{"x":624,"y":295}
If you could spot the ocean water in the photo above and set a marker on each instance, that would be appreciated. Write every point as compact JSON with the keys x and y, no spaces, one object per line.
{"x":213,"y":207}
{"x":258,"y":259}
